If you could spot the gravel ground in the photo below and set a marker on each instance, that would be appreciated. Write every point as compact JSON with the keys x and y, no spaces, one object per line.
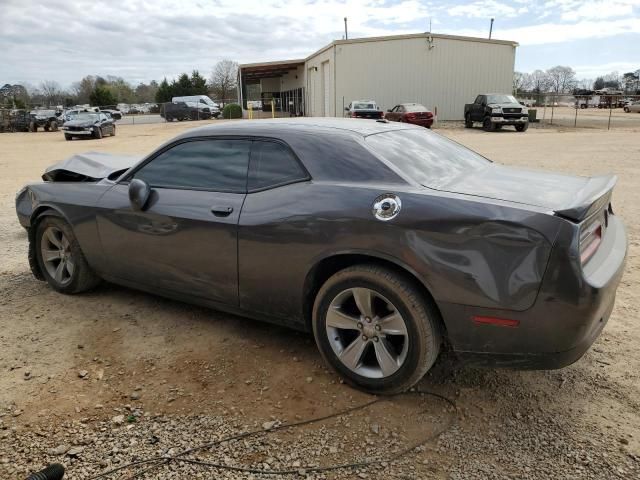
{"x":114,"y":376}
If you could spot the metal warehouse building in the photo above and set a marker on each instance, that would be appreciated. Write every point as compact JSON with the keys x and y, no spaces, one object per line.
{"x":439,"y":71}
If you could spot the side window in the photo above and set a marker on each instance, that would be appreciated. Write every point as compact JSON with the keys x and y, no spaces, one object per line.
{"x":400,"y":109}
{"x":478,"y":99}
{"x":395,"y":109}
{"x":215,"y":165}
{"x":273,"y":164}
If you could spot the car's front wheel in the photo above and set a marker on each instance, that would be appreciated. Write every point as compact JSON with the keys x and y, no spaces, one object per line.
{"x":60,"y":258}
{"x":488,"y":125}
{"x":522,"y":127}
{"x":97,"y":133}
{"x":113,"y":131}
{"x":68,"y":137}
{"x":467,"y":121}
{"x":376,"y":329}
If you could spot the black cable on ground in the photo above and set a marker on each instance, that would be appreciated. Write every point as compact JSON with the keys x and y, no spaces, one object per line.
{"x":155,"y":462}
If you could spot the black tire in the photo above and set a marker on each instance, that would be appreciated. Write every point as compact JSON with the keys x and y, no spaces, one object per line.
{"x":82,"y":278}
{"x":113,"y":131}
{"x":420,"y":316}
{"x":626,"y":109}
{"x":168,"y":118}
{"x":68,"y":137}
{"x":97,"y":133}
{"x":523,"y":127}
{"x":33,"y":127}
{"x":467,"y":121}
{"x":488,"y":125}
{"x":53,"y":126}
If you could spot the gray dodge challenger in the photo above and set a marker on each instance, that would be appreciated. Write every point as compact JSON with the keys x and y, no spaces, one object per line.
{"x":389,"y":242}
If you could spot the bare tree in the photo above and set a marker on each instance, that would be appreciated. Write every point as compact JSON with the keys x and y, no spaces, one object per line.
{"x":51,"y":92}
{"x":539,"y":81}
{"x":561,"y":79}
{"x":521,"y":82}
{"x":223,"y":81}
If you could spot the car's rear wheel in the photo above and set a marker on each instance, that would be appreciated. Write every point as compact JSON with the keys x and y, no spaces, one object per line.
{"x":60,"y":258}
{"x":523,"y":127}
{"x":487,"y":125}
{"x":467,"y":121}
{"x":376,"y":329}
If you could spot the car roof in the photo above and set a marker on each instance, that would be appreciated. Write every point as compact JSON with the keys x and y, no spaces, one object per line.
{"x":315,"y":125}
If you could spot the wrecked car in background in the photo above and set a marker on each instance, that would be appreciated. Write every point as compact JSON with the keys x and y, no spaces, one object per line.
{"x":385,"y":240}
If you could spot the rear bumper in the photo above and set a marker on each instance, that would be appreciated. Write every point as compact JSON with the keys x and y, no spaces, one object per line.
{"x":427,"y":122}
{"x":571,"y":310}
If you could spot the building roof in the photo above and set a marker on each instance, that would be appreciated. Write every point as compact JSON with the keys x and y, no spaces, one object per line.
{"x":252,"y":71}
{"x":278,"y":68}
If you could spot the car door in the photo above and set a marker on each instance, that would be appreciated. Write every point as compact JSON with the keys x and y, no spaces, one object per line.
{"x":185,"y":240}
{"x":477,"y":112}
{"x":392,"y":114}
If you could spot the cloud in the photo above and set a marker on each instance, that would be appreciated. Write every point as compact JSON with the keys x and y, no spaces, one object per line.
{"x":140,"y":40}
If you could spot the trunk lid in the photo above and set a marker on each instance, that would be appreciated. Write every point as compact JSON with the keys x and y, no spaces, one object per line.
{"x":569,"y":196}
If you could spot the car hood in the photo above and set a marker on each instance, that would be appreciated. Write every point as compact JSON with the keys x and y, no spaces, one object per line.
{"x":567,"y":195}
{"x":80,"y":123}
{"x":89,"y":167}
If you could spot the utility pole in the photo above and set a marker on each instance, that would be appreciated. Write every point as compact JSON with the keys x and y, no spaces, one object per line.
{"x":346,"y":35}
{"x":490,"y":29}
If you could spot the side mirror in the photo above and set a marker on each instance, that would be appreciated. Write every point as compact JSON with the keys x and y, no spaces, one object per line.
{"x":389,"y":110}
{"x":139,"y":192}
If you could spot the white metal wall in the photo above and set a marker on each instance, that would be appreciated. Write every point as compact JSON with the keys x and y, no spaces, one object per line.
{"x":316,"y":93}
{"x":446,"y":76}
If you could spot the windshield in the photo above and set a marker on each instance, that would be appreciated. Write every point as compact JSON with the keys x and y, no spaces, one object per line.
{"x":86,"y":116}
{"x":501,"y":99}
{"x":364,"y":106}
{"x":428,"y":158}
{"x":44,"y":113}
{"x":416,"y":107}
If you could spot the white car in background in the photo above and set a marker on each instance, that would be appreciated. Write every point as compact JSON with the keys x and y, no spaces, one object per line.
{"x":632,"y":107}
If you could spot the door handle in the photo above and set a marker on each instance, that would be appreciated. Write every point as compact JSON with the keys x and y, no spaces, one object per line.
{"x":219,"y":211}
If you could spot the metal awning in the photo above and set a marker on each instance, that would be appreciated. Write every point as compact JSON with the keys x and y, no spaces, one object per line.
{"x":256,"y":71}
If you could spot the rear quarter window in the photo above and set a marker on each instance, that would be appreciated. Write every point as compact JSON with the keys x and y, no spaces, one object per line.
{"x":273,"y":164}
{"x":426,"y":157}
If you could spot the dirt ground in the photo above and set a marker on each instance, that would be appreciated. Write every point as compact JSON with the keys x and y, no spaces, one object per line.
{"x":70,"y":364}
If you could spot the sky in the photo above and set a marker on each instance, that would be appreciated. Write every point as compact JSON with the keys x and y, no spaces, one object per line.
{"x":141,"y":40}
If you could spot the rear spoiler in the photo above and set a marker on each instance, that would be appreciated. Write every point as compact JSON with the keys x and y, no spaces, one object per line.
{"x":591,"y":198}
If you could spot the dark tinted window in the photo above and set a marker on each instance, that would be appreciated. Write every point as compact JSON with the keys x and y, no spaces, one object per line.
{"x":217,"y":165}
{"x":273,"y":164}
{"x":426,"y":157}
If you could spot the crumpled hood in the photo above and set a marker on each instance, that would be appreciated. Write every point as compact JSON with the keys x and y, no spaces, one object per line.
{"x":89,"y":166}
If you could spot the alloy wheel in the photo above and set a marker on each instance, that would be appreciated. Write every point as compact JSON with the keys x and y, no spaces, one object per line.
{"x":56,"y":255}
{"x":367,"y":333}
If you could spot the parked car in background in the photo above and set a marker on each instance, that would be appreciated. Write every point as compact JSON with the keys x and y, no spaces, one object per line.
{"x":203,"y":103}
{"x":89,"y":124}
{"x":632,"y":107}
{"x":19,"y":120}
{"x":364,"y":109}
{"x":413,"y":113}
{"x":187,"y":110}
{"x":45,"y":119}
{"x":115,"y":114}
{"x":396,"y":240}
{"x":494,"y":111}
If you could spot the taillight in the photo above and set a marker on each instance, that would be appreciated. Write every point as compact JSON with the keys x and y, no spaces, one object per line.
{"x":590,"y":239}
{"x":353,"y":114}
{"x":429,"y":115}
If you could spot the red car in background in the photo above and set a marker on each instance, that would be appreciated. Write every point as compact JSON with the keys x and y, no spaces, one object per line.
{"x":413,"y":113}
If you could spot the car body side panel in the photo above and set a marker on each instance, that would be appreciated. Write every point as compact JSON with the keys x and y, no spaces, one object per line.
{"x":452,"y":245}
{"x":76,"y":203}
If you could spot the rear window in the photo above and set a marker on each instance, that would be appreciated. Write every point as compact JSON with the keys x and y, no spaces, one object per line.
{"x":426,"y":157}
{"x":364,"y":106}
{"x":416,"y":107}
